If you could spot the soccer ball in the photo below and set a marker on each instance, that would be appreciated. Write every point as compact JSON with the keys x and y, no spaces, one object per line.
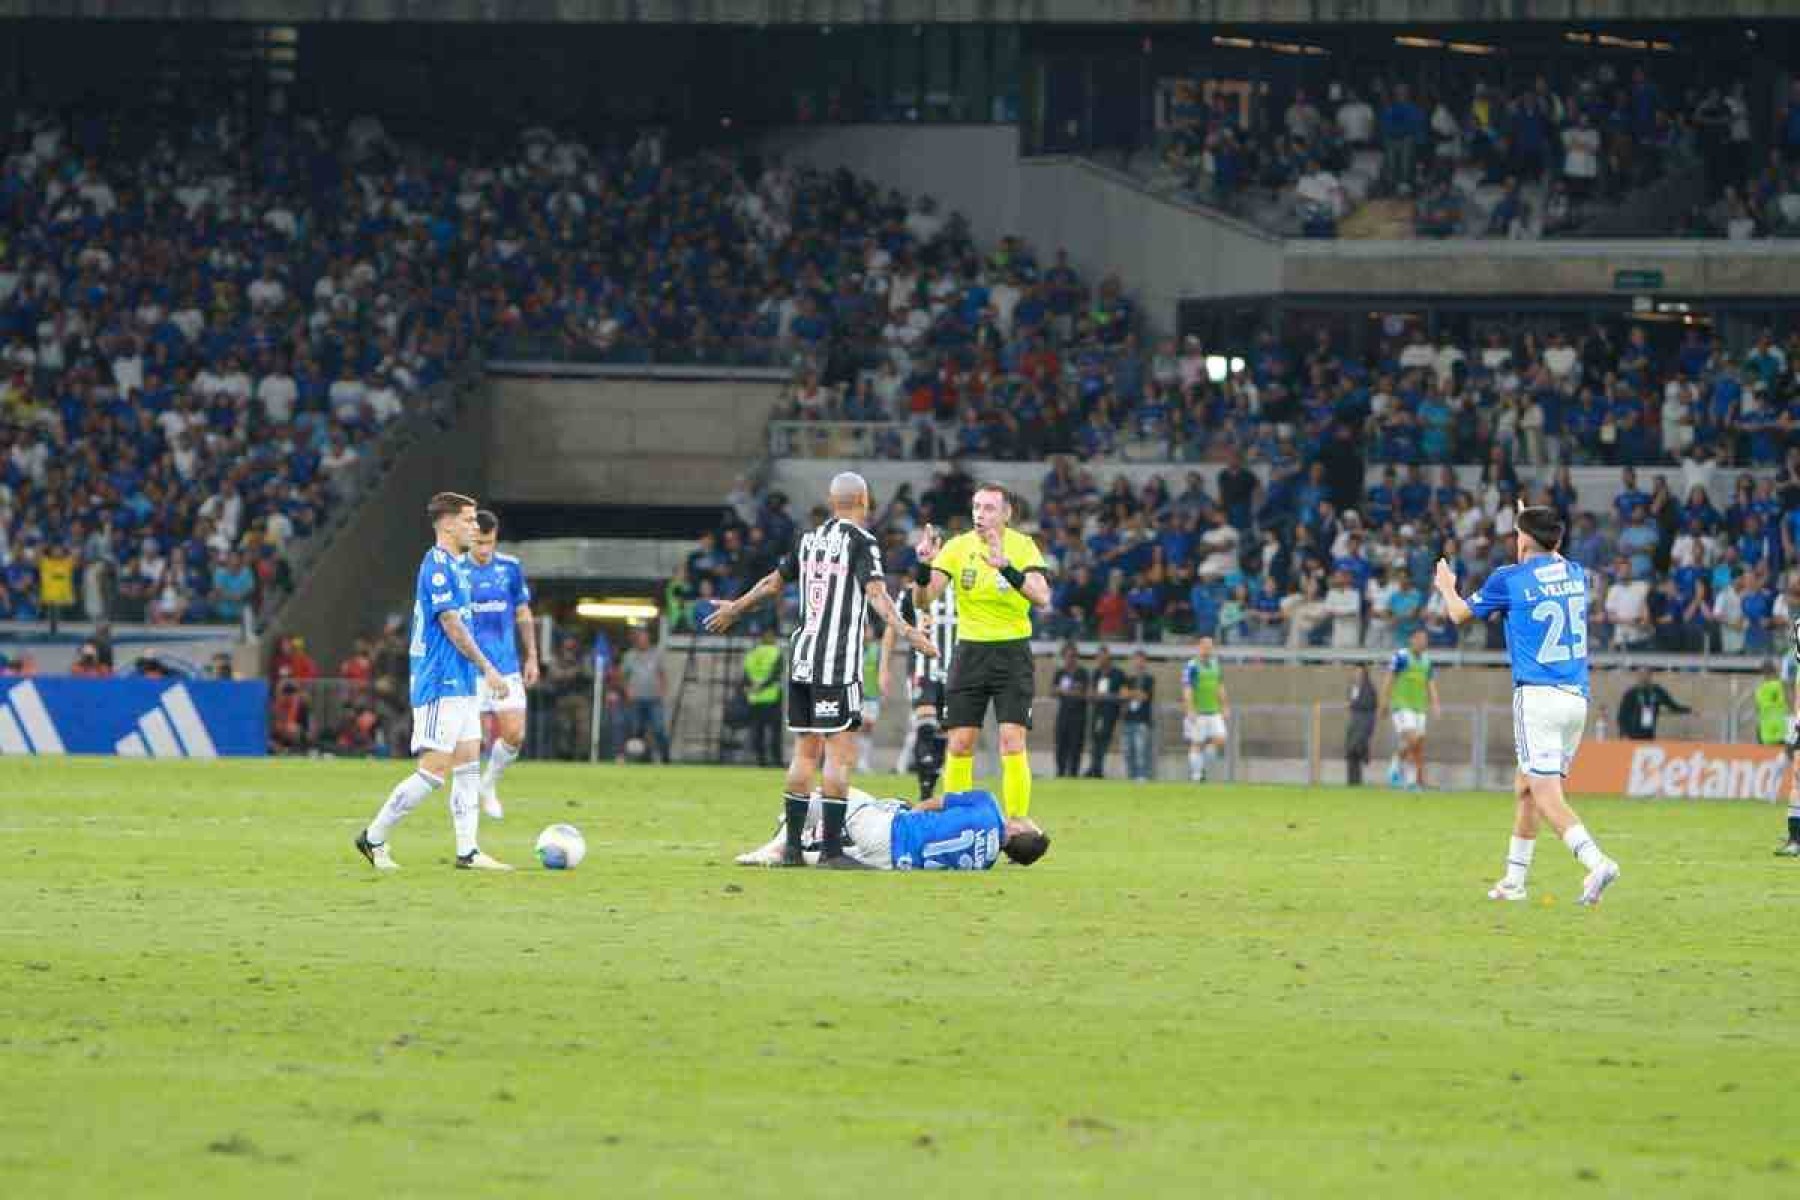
{"x":561,"y":848}
{"x":636,"y":750}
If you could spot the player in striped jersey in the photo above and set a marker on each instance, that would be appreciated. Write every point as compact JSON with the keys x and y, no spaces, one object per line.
{"x":838,"y":568}
{"x":926,"y":678}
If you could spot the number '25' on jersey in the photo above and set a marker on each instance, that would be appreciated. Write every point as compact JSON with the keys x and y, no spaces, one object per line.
{"x":1545,"y":602}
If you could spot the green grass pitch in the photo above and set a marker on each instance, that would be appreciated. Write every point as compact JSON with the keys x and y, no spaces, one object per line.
{"x":1200,"y":992}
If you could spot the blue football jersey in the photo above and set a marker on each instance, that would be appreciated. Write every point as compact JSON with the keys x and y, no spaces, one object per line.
{"x":1545,"y":600}
{"x":964,"y":836}
{"x":438,"y":668}
{"x":497,"y":590}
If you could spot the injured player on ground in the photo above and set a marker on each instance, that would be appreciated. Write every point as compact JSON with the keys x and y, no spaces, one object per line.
{"x":964,"y":831}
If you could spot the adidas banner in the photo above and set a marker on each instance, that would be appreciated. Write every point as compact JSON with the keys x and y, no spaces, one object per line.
{"x":139,"y":718}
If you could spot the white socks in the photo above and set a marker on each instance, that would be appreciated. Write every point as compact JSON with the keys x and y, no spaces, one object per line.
{"x":1584,"y":847}
{"x":1518,"y":860}
{"x":465,"y":806}
{"x":402,"y":800}
{"x":501,"y":755}
{"x":1196,"y":765}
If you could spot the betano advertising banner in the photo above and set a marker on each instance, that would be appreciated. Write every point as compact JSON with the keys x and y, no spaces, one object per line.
{"x":134,"y":717}
{"x":1679,"y":771}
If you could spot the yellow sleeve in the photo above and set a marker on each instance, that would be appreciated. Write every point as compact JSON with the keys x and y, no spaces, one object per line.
{"x":950,"y":559}
{"x":1025,"y":554}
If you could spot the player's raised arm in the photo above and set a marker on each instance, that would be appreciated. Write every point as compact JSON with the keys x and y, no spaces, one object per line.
{"x":1029,"y":580}
{"x":929,"y":579}
{"x":725,"y":615}
{"x":1455,"y":607}
{"x":458,"y":633}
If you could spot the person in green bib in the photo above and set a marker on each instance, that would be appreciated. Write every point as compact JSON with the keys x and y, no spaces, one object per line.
{"x":763,"y":689}
{"x":1205,"y":708}
{"x":1411,"y":686}
{"x":1771,"y":707}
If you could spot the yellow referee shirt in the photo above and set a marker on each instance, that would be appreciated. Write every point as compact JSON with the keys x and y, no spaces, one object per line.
{"x":987,"y":607}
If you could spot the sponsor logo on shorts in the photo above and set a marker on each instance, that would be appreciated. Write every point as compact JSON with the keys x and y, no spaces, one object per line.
{"x":827,"y":708}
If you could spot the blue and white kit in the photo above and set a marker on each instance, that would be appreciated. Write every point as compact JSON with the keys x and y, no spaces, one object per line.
{"x":1545,"y":602}
{"x":444,"y":683}
{"x":497,"y":590}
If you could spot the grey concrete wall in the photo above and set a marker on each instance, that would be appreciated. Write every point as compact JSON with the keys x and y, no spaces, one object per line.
{"x":1161,"y":249}
{"x":623,"y":441}
{"x":856,"y":12}
{"x":369,"y":568}
{"x":1690,"y":269}
{"x":971,"y":169}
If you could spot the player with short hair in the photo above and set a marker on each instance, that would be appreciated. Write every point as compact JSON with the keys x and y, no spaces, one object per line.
{"x":1205,"y":708}
{"x":501,"y":602}
{"x":998,"y":574}
{"x":1410,"y":686}
{"x":1544,"y":598}
{"x":963,"y":831}
{"x":838,"y":567}
{"x":446,"y":667}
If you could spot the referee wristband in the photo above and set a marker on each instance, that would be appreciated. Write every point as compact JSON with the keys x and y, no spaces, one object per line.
{"x":1013,"y":576}
{"x":922,"y":573}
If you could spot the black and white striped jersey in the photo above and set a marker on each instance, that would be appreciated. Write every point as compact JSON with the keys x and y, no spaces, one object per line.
{"x":943,"y":634}
{"x":833,"y":565}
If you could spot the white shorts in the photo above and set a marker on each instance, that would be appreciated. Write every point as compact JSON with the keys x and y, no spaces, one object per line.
{"x":1408,"y":723}
{"x":1203,"y":727}
{"x":1547,"y":725}
{"x":445,"y":722}
{"x":515,"y":695}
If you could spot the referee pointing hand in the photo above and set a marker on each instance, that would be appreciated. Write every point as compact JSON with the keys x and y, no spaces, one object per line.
{"x":998,"y":575}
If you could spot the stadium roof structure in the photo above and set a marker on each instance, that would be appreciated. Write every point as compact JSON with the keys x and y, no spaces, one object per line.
{"x":894,"y":12}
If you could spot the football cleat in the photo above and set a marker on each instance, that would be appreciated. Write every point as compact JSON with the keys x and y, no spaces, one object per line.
{"x":491,"y":807}
{"x":1597,"y":881}
{"x":772,"y":854}
{"x":375,"y":852}
{"x":1506,"y":891}
{"x":1789,"y":849}
{"x":475,"y":860}
{"x":843,"y":862}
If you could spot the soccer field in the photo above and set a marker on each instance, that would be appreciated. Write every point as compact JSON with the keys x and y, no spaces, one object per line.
{"x":204,"y":991}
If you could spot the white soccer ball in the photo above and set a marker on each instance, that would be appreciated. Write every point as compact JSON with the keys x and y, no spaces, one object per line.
{"x":561,"y":848}
{"x":636,"y":749}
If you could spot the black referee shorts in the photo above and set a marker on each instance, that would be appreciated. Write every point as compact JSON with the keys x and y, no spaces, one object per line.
{"x":823,"y":708}
{"x":928,"y":693}
{"x":997,"y":673}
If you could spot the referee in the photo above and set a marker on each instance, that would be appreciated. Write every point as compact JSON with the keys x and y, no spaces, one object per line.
{"x":838,"y":568}
{"x":998,"y":574}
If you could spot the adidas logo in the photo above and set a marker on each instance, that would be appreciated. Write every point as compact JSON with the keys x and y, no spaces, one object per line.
{"x":173,"y":729}
{"x":25,"y":724}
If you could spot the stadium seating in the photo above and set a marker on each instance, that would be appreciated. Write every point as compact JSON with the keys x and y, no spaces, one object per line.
{"x":1534,"y":157}
{"x":198,"y":339}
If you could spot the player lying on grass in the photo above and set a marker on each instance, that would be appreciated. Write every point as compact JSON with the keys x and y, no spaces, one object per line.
{"x":964,"y":831}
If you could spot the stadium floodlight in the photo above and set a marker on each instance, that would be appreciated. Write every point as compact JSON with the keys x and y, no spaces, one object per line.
{"x":617,"y":610}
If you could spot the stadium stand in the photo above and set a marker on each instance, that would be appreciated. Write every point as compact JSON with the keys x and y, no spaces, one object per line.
{"x":201,"y":339}
{"x":1499,"y":154}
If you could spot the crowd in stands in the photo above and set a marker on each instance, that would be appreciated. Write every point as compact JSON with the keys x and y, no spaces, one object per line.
{"x":1521,"y":159}
{"x":200,"y":336}
{"x":1601,"y":396}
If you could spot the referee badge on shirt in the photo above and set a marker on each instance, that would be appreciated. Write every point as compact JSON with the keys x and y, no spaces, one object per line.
{"x":968,"y":579}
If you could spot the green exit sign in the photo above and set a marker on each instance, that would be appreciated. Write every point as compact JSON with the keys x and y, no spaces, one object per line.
{"x":1637,"y":281}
